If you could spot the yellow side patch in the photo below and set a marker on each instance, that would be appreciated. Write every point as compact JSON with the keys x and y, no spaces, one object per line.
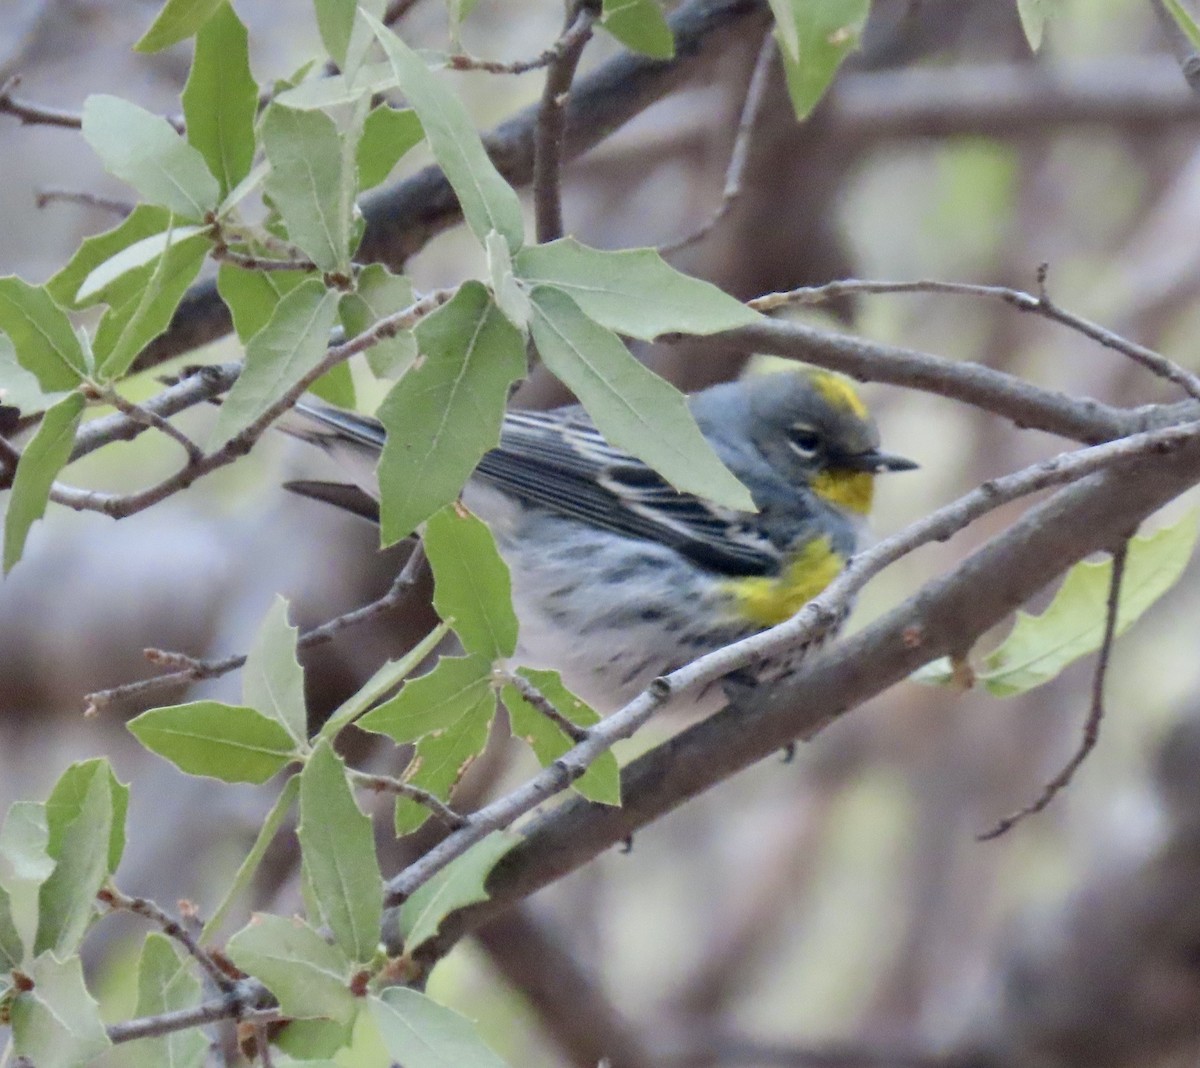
{"x":853,"y":490}
{"x":768,"y":601}
{"x":839,"y":393}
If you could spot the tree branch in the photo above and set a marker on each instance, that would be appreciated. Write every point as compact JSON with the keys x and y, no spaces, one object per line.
{"x":944,"y":617}
{"x":1041,"y":305}
{"x":551,"y":124}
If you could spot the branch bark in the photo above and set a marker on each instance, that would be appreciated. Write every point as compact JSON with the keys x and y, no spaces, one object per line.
{"x":945,"y":617}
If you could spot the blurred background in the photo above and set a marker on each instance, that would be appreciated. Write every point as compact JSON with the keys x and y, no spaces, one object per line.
{"x":836,"y":911}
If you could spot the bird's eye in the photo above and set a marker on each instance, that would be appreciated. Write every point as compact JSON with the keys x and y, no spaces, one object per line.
{"x":804,"y":440}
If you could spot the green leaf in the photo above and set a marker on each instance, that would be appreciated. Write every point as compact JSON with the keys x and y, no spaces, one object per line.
{"x":602,"y":781}
{"x":42,"y":335}
{"x":25,"y":863}
{"x":345,"y":38}
{"x":336,"y":386}
{"x":387,"y":134}
{"x":66,"y":801}
{"x":45,"y":455}
{"x":814,"y":37}
{"x":220,"y":100}
{"x":639,"y":25}
{"x":272,"y":680}
{"x":314,"y":1042}
{"x":472,"y":587}
{"x":1072,"y":626}
{"x":1183,"y":18}
{"x":289,"y":347}
{"x":1033,"y":15}
{"x":57,"y":1024}
{"x":379,"y":293}
{"x":457,"y":686}
{"x":220,"y":741}
{"x":251,"y":296}
{"x":19,"y":388}
{"x":508,"y":293}
{"x":149,"y":250}
{"x":129,"y":327}
{"x":177,"y":21}
{"x":144,"y":222}
{"x":249,"y":867}
{"x":310,"y":183}
{"x":330,"y":92}
{"x":445,"y":413}
{"x":440,"y":761}
{"x":460,"y":883}
{"x":420,"y":1033}
{"x":12,"y":945}
{"x":67,"y":899}
{"x":632,"y":407}
{"x":634,"y":292}
{"x":487,"y":200}
{"x":310,"y":977}
{"x":145,"y":151}
{"x":166,"y":984}
{"x":339,"y":853}
{"x":392,"y":672}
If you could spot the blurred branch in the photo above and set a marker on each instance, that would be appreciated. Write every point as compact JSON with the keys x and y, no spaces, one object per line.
{"x":1091,"y":727}
{"x":35,"y":114}
{"x":1041,"y":305}
{"x":732,"y":1050}
{"x":1008,"y":100}
{"x":570,"y":1004}
{"x":1181,"y":44}
{"x":756,"y":92}
{"x":551,"y":123}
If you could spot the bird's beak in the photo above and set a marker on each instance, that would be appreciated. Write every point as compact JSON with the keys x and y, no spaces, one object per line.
{"x":878,"y":462}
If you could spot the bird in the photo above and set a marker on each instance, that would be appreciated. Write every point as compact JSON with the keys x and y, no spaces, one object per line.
{"x":617,"y":576}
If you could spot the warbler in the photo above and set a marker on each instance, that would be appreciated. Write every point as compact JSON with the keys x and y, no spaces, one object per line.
{"x":617,"y":576}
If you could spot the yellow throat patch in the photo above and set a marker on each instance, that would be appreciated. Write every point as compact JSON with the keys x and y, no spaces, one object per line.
{"x":853,"y":490}
{"x":770,"y":600}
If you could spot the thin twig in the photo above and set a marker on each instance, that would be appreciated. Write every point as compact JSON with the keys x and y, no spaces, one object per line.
{"x":48,"y":196}
{"x":543,"y":704}
{"x":756,"y":92}
{"x":1091,"y":726}
{"x":386,"y":784}
{"x":812,"y":620}
{"x":190,"y":669}
{"x":575,"y":34}
{"x":35,"y":114}
{"x":1022,"y":301}
{"x":223,"y":254}
{"x":172,"y":928}
{"x":239,"y":1005}
{"x":552,"y":124}
{"x":1181,"y":45}
{"x":151,"y":419}
{"x":121,"y":506}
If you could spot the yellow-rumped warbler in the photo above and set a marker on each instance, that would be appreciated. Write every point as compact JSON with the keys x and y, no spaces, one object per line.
{"x":617,"y":576}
